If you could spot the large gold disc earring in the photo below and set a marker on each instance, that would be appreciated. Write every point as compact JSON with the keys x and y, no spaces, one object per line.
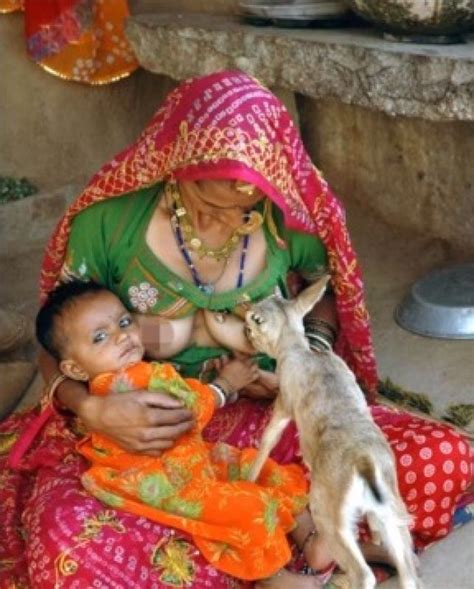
{"x":245,"y":188}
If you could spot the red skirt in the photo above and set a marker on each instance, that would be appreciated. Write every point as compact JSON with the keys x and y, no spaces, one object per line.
{"x":55,"y":535}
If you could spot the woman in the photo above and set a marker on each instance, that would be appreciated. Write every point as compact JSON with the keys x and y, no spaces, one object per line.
{"x":213,"y":206}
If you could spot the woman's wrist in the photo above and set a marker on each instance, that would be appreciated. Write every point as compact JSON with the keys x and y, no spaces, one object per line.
{"x":72,"y":395}
{"x":219,"y":394}
{"x":321,"y":334}
{"x":224,"y":390}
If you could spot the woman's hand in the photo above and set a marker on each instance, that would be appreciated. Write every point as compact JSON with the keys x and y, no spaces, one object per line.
{"x":141,"y":422}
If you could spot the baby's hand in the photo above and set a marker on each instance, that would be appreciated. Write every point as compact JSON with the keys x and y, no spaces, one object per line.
{"x":239,"y":373}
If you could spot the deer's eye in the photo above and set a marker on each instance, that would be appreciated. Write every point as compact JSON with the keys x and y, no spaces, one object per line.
{"x":257,"y":319}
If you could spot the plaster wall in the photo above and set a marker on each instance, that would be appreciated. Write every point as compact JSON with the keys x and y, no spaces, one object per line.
{"x":56,"y":132}
{"x":414,"y":174}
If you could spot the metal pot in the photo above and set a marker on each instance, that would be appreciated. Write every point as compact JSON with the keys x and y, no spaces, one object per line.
{"x":418,"y":17}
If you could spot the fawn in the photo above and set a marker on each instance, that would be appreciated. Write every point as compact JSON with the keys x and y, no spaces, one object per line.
{"x":351,"y":465}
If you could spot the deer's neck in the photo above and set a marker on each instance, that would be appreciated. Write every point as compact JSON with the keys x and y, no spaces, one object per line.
{"x":293,"y":343}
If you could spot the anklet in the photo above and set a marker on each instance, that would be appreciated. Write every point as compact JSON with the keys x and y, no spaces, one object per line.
{"x":311,"y":533}
{"x":307,"y":570}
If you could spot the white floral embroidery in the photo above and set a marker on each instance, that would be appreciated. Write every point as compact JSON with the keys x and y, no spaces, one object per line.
{"x":82,"y":269}
{"x":67,"y":273}
{"x":143,"y":297}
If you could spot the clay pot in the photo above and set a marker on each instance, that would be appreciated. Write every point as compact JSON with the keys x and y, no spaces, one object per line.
{"x":423,"y":18}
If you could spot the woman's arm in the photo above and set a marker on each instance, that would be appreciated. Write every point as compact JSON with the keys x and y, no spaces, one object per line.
{"x":321,"y":324}
{"x":70,"y":394}
{"x":140,"y":421}
{"x":326,"y":310}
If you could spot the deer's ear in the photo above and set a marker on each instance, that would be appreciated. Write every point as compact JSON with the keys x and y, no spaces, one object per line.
{"x":311,"y":295}
{"x":277,"y":292}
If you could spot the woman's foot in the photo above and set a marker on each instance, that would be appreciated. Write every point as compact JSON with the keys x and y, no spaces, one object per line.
{"x":313,"y":547}
{"x":316,"y":552}
{"x":285,"y":579}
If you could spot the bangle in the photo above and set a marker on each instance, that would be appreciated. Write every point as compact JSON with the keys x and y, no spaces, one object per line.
{"x":319,"y":341}
{"x":320,"y":325}
{"x":220,"y":393}
{"x":51,"y":388}
{"x":231,"y":395}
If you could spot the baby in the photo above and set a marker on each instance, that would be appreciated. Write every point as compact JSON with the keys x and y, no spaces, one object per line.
{"x":88,"y":330}
{"x":195,"y":486}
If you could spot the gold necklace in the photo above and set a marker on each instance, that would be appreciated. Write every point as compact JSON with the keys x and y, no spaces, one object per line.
{"x":195,"y":243}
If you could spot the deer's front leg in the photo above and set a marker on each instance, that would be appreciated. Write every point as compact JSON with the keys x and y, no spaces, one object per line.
{"x":270,"y":439}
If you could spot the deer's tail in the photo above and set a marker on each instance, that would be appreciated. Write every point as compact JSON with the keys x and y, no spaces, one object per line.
{"x":366,"y":469}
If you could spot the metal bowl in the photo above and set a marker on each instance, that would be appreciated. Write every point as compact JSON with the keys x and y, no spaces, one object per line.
{"x":441,"y":304}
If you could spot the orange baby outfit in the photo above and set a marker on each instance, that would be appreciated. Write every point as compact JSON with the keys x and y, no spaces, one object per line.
{"x":197,"y":486}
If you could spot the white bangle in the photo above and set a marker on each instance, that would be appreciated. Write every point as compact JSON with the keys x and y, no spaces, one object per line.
{"x":220,"y":393}
{"x":318,"y":342}
{"x":231,"y":395}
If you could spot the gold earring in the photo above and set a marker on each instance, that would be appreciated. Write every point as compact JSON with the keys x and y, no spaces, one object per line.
{"x":245,"y":188}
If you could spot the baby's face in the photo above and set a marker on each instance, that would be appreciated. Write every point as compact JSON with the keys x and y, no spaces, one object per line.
{"x":101,"y":335}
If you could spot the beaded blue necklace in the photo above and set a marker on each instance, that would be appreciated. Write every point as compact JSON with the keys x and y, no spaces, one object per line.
{"x":207,"y":287}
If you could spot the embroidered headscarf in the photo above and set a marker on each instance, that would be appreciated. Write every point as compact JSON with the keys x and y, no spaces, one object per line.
{"x":226,"y":125}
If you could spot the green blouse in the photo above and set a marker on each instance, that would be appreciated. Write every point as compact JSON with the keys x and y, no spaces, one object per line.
{"x":108,"y":245}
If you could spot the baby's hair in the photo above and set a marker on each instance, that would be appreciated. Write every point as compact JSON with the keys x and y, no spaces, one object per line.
{"x":60,"y":300}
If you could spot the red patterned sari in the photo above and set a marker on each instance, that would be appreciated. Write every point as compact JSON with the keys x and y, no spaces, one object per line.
{"x":222,"y":126}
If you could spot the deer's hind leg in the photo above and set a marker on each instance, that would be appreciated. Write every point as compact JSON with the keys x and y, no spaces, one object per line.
{"x":270,"y":439}
{"x":392,"y":526}
{"x":335,"y":514}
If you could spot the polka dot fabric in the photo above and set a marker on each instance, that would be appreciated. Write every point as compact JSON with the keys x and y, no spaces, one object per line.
{"x":434,"y":466}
